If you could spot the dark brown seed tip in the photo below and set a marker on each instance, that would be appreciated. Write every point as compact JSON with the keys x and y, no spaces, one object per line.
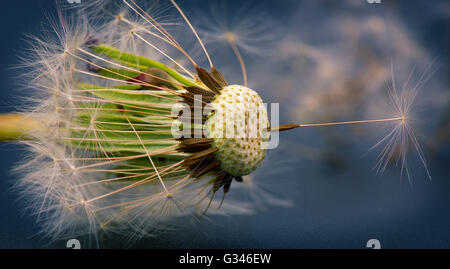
{"x":283,"y":127}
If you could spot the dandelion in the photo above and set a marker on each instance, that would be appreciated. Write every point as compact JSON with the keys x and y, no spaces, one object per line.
{"x":125,"y":136}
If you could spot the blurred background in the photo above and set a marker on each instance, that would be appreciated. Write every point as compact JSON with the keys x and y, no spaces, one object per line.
{"x":322,"y":61}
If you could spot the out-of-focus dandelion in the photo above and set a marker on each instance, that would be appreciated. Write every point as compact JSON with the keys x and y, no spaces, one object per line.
{"x":114,"y":145}
{"x":401,"y":139}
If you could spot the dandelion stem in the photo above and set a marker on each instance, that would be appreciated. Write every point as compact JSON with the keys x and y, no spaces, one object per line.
{"x":293,"y":126}
{"x":17,"y":126}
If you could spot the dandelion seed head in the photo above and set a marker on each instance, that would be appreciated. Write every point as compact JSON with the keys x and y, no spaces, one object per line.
{"x":401,"y":140}
{"x":237,"y":128}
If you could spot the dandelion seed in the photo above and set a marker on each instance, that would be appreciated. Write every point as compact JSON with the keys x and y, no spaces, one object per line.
{"x":110,"y":158}
{"x":401,"y":140}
